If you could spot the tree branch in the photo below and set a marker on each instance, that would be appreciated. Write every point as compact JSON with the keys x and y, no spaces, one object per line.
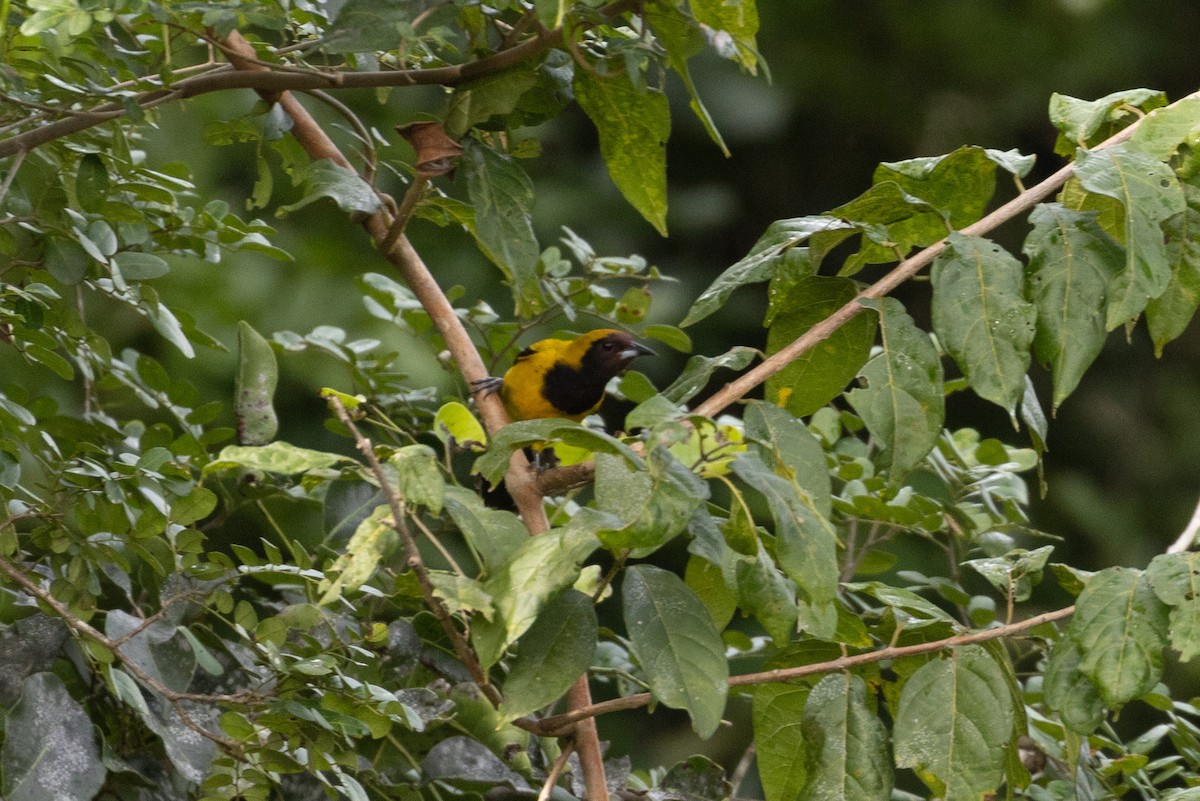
{"x":557,"y":724}
{"x":254,"y":74}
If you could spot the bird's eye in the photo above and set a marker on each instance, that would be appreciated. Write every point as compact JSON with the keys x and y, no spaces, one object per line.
{"x":608,"y":346}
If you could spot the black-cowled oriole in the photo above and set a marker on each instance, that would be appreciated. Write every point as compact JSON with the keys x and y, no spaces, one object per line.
{"x":563,"y":377}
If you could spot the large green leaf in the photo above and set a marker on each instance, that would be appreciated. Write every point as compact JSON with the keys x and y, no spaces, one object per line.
{"x":847,"y":758}
{"x":786,"y":441}
{"x":738,"y":19}
{"x":551,"y":655}
{"x":493,"y":534}
{"x":677,"y":645}
{"x":502,"y":196}
{"x":981,"y":316}
{"x":778,"y":711}
{"x":1070,"y":693}
{"x":1175,"y":579}
{"x":901,"y":398}
{"x":764,"y":593}
{"x":633,"y":123}
{"x":1161,"y":133}
{"x":490,"y":96}
{"x":539,"y":568}
{"x":1149,"y":194}
{"x":806,"y":544}
{"x":1082,"y":123}
{"x":1121,"y":629}
{"x":763,"y":260}
{"x":50,"y":747}
{"x":1168,"y":315}
{"x":954,"y":721}
{"x":1072,"y":261}
{"x":818,"y":376}
{"x":654,"y":504}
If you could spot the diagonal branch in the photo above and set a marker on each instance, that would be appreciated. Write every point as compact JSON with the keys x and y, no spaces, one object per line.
{"x":558,"y":480}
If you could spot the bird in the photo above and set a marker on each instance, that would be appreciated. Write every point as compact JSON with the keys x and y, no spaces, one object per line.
{"x":563,"y":377}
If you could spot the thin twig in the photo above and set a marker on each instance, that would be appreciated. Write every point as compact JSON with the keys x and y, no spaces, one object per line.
{"x":12,"y":173}
{"x":557,"y":724}
{"x":555,"y":771}
{"x":413,"y":556}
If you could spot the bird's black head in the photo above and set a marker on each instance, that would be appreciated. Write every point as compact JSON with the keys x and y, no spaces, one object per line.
{"x":609,"y":352}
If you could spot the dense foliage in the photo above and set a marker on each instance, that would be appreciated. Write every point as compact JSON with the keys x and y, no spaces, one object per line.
{"x":193,"y":607}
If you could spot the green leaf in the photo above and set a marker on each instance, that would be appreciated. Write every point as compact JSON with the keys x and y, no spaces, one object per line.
{"x":493,"y":464}
{"x":901,"y":399}
{"x":1149,"y":194}
{"x":633,"y":124}
{"x":806,"y":544}
{"x":65,"y":260}
{"x":818,"y":376}
{"x":137,"y":266}
{"x":455,"y":425}
{"x":654,"y":503}
{"x":1082,"y":123}
{"x":981,"y":317}
{"x":277,"y":457}
{"x":677,"y":645}
{"x":707,"y":580}
{"x":777,"y":712}
{"x":959,"y":184}
{"x":62,"y":15}
{"x":1121,"y":629}
{"x":738,"y":19}
{"x":502,"y":197}
{"x":699,"y":369}
{"x":493,"y":95}
{"x":785,"y":441}
{"x":551,"y":655}
{"x":767,"y":595}
{"x":460,"y":594}
{"x":1072,"y":262}
{"x":1175,"y":579}
{"x":761,"y":263}
{"x":91,"y":183}
{"x":953,"y":723}
{"x":848,"y":757}
{"x":671,"y":336}
{"x":696,"y":778}
{"x":682,"y":38}
{"x":493,"y":534}
{"x":363,"y":25}
{"x":347,"y":188}
{"x":373,"y":540}
{"x":1016,"y":572}
{"x":49,"y":745}
{"x":1168,"y":315}
{"x":419,"y":476}
{"x":1069,"y":692}
{"x":1165,"y":129}
{"x":254,"y":393}
{"x":540,"y":567}
{"x":196,"y":505}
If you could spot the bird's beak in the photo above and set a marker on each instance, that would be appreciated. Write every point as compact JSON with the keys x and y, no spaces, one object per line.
{"x":638,"y":349}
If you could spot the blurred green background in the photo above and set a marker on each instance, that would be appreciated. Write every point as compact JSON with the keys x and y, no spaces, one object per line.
{"x":851,"y":84}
